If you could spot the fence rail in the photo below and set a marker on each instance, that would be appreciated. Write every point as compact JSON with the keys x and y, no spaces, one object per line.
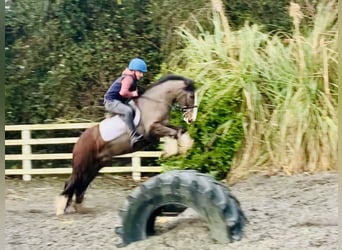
{"x":27,"y":156}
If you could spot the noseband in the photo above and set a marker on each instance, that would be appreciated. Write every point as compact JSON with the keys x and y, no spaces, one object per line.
{"x":186,"y":108}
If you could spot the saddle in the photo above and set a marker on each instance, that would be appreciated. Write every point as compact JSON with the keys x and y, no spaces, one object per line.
{"x":113,"y":127}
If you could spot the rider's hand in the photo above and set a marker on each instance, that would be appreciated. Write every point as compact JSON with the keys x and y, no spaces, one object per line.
{"x":135,"y":94}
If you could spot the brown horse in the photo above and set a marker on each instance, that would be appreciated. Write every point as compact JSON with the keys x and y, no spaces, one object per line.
{"x":92,"y":152}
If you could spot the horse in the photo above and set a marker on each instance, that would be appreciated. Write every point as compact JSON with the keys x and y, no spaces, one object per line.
{"x":96,"y":146}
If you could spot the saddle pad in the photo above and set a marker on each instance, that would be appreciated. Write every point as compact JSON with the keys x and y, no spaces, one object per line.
{"x":113,"y":127}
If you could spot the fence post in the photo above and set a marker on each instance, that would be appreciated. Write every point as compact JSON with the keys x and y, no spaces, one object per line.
{"x":136,"y":164}
{"x":26,"y":152}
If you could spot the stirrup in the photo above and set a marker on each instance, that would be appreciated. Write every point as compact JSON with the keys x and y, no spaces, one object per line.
{"x":135,"y":138}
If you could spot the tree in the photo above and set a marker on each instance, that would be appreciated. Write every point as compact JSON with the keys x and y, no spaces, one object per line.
{"x":62,"y":55}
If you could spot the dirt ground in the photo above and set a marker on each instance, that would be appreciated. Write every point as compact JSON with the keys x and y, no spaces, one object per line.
{"x":297,"y":212}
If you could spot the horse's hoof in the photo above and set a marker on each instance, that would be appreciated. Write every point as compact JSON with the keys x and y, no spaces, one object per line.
{"x":69,"y":210}
{"x":185,"y":143}
{"x":60,"y":212}
{"x":83,"y":210}
{"x":170,"y":147}
{"x":60,"y":204}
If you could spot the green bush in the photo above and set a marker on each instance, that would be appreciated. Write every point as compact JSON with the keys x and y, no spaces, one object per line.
{"x":217,"y":135}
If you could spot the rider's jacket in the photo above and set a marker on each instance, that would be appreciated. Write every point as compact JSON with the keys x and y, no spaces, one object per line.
{"x":113,"y":93}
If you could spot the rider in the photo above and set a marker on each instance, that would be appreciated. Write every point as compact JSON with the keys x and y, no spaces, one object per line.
{"x":121,"y":91}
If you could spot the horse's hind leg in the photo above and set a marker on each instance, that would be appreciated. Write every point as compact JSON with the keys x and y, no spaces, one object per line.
{"x":80,"y":192}
{"x":64,"y":200}
{"x":83,"y":185}
{"x":79,"y":200}
{"x":69,"y":190}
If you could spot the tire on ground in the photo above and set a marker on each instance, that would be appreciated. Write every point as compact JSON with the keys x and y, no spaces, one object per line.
{"x":182,"y":188}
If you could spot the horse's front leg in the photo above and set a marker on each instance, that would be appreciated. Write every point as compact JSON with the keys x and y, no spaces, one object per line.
{"x":180,"y":145}
{"x":161,"y":130}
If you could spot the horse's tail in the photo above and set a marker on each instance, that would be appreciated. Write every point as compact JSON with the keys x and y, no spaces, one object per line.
{"x":84,"y":162}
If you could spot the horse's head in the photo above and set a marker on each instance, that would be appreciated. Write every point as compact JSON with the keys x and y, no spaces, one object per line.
{"x":186,"y":99}
{"x":174,"y":89}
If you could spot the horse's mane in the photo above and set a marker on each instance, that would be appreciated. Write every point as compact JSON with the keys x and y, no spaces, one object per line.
{"x":172,"y":77}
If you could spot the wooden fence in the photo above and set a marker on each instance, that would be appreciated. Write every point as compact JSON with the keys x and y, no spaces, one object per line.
{"x":26,"y":156}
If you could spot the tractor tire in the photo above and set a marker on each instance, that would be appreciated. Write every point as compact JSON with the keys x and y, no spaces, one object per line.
{"x":177,"y":190}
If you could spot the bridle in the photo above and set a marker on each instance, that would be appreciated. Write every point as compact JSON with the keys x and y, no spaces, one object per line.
{"x":185,"y":109}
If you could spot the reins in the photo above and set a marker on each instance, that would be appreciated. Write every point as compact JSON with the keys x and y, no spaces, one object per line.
{"x":183,"y":108}
{"x":155,"y":100}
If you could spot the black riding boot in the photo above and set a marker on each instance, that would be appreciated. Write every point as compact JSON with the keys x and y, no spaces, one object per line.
{"x":135,"y":137}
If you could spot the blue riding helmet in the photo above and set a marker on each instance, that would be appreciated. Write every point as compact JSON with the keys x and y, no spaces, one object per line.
{"x":137,"y":64}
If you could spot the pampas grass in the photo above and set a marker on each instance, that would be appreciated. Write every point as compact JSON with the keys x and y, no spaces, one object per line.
{"x":288,"y":85}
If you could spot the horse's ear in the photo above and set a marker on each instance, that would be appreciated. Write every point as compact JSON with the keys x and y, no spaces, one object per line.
{"x":189,"y":85}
